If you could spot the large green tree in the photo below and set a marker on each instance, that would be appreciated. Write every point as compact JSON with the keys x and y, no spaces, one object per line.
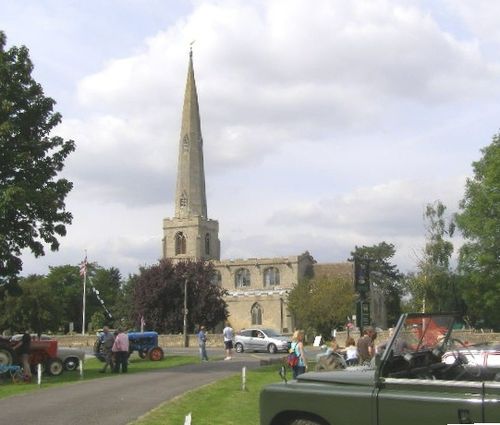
{"x":322,"y":304}
{"x":479,"y":222}
{"x":32,"y":208}
{"x":384,"y":275}
{"x":37,"y":309}
{"x":158,"y":296}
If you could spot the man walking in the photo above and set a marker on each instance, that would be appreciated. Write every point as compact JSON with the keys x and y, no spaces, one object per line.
{"x":202,"y":341}
{"x":228,"y":334}
{"x":107,"y":341}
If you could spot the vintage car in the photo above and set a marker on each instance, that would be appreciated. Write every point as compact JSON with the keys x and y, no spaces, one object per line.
{"x":70,"y":357}
{"x":408,"y":383}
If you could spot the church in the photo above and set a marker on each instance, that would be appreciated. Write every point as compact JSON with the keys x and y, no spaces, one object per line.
{"x":257,"y":287}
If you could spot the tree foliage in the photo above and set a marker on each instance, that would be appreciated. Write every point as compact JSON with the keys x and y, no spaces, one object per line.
{"x":36,"y":310}
{"x":32,"y":209}
{"x":434,"y":286}
{"x":384,"y":275}
{"x":158,"y":296}
{"x":323,"y":304}
{"x":479,"y":222}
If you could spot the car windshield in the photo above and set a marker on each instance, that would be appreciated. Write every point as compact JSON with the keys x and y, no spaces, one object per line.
{"x":271,"y":332}
{"x":422,"y":332}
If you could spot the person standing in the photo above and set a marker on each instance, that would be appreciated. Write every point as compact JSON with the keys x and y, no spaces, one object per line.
{"x":365,"y":345}
{"x":120,"y":350}
{"x":23,"y":348}
{"x":202,"y":343}
{"x":298,"y":348}
{"x":228,"y":334}
{"x":107,"y":341}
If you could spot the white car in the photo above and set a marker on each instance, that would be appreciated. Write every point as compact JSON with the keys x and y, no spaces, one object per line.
{"x":261,"y":340}
{"x":487,"y":355}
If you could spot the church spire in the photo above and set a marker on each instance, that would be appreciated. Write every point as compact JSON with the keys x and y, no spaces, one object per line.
{"x":190,"y":197}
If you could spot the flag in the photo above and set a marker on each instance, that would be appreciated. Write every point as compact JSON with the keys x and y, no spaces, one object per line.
{"x":83,"y":267}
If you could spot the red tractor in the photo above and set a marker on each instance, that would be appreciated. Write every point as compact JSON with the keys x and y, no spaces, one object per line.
{"x":43,"y":351}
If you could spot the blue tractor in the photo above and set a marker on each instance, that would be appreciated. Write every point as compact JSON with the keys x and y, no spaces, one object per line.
{"x":145,"y":343}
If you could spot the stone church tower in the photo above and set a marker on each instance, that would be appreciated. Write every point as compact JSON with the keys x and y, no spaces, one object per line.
{"x":190,"y":234}
{"x":256,"y":288}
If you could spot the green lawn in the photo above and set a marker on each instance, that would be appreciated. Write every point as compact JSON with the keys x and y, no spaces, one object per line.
{"x":223,"y":400}
{"x":91,"y":371}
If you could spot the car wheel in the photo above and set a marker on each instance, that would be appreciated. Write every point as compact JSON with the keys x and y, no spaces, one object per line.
{"x":272,"y":348}
{"x":239,"y":348}
{"x":6,"y":356}
{"x":71,"y":363}
{"x":155,"y":354}
{"x":54,"y":367}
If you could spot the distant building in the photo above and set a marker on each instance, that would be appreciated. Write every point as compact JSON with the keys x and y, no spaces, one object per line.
{"x":257,"y":287}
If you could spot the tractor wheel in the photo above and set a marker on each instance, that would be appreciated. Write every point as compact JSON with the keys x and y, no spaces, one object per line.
{"x":6,"y":356}
{"x":54,"y":367}
{"x":155,"y":354}
{"x":143,"y":354}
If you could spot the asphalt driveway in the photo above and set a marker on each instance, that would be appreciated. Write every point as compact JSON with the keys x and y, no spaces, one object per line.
{"x":116,"y":400}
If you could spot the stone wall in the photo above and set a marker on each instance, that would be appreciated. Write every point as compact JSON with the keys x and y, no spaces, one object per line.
{"x":216,"y":340}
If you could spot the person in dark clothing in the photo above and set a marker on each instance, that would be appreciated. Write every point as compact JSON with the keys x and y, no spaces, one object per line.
{"x":23,"y":348}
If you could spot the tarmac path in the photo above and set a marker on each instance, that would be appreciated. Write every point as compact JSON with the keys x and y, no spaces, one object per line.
{"x":116,"y":400}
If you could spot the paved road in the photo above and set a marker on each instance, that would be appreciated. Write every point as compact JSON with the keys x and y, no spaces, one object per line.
{"x":116,"y":400}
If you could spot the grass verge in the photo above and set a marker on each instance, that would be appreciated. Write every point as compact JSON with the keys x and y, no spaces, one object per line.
{"x":91,"y":371}
{"x":223,"y":402}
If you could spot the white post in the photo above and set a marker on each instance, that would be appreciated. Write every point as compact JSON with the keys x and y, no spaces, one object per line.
{"x":81,"y":368}
{"x":39,"y":374}
{"x":187,"y":420}
{"x":243,"y":378}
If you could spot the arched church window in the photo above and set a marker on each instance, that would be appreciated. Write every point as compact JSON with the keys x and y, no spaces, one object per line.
{"x":242,"y":278}
{"x":180,"y":243}
{"x":216,"y":278}
{"x":185,"y":143}
{"x":271,"y":277}
{"x":256,"y":312}
{"x":207,"y":244}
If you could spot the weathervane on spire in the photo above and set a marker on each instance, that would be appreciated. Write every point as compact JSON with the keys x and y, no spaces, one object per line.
{"x":191,"y":48}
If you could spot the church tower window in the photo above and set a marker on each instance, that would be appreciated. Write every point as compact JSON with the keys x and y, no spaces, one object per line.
{"x":180,"y":243}
{"x":271,"y":277}
{"x":207,"y":244}
{"x":242,"y":278}
{"x":256,"y":312}
{"x":185,"y":143}
{"x":183,"y":201}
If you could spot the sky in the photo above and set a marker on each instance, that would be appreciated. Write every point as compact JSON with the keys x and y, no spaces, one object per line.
{"x":326,"y":125}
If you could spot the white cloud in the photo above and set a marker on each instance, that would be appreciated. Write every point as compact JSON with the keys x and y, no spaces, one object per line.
{"x":324,"y":127}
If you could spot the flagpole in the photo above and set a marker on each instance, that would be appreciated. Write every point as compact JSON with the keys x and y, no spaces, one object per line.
{"x":84,"y":268}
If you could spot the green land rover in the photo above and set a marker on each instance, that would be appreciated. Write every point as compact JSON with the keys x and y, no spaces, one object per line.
{"x":409,"y":383}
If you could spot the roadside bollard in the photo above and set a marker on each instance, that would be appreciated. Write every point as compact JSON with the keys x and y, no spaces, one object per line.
{"x":187,"y":421}
{"x":81,"y":368}
{"x":39,"y":374}
{"x":244,"y":378}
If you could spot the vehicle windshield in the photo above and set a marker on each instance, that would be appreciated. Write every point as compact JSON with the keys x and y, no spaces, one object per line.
{"x":271,"y":332}
{"x":422,"y":332}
